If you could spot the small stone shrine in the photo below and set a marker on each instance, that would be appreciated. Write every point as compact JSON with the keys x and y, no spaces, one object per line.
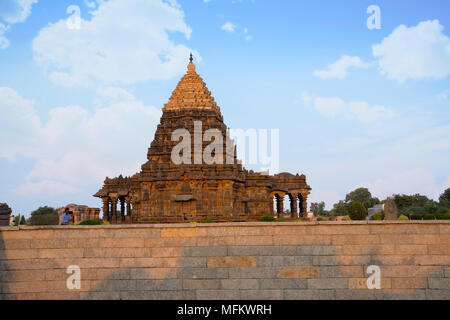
{"x":5,"y":215}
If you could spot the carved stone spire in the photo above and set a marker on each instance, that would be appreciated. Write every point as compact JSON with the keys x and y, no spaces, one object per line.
{"x":191,"y":93}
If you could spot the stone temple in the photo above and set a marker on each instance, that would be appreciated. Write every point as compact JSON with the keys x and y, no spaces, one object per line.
{"x":166,"y":192}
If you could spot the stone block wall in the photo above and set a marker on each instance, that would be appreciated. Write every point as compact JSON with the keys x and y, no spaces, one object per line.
{"x":321,"y":260}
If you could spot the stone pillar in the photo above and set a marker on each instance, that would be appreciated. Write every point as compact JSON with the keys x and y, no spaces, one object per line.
{"x":303,"y":204}
{"x":114,"y":209}
{"x":122,"y":209}
{"x":270,"y":204}
{"x":280,"y":206}
{"x":300,"y":205}
{"x":129,"y":213}
{"x":294,"y":209}
{"x":106,"y":212}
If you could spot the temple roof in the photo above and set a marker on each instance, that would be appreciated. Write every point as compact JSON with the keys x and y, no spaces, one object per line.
{"x":191,"y":93}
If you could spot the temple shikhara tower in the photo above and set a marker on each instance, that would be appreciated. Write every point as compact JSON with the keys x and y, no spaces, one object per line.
{"x":224,"y":191}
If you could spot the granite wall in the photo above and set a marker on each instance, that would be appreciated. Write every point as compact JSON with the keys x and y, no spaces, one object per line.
{"x":322,"y":260}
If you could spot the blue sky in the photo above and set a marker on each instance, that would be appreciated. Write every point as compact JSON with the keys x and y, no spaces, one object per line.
{"x":355,"y":107}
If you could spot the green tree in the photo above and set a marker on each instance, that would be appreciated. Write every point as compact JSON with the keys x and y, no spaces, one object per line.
{"x":19,"y":220}
{"x":406,"y":201}
{"x":357,"y":211}
{"x":318,"y":208}
{"x":44,"y":216}
{"x":444,"y":199}
{"x":340,"y":209}
{"x":420,"y":204}
{"x":363,"y":196}
{"x":16,"y":220}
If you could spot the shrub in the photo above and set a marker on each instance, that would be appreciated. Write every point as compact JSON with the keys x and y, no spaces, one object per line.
{"x":357,"y":211}
{"x":94,"y":222}
{"x":346,"y":218}
{"x":378,"y":216}
{"x":416,"y":216}
{"x":321,"y":219}
{"x":429,"y":216}
{"x":403,"y":217}
{"x":267,"y":219}
{"x":208,"y":221}
{"x":443,"y":216}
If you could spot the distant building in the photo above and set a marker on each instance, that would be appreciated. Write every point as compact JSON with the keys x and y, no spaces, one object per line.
{"x":375,"y":209}
{"x":80,"y":213}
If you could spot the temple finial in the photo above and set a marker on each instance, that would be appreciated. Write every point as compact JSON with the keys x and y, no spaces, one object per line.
{"x":191,"y":65}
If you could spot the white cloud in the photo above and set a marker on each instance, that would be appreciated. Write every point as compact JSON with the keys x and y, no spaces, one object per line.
{"x":45,"y":188}
{"x":339,"y":69}
{"x":4,"y":42}
{"x":413,"y":181}
{"x":418,"y":52}
{"x":15,"y":11}
{"x":20,"y":125}
{"x":110,"y":50}
{"x":110,"y":95}
{"x":329,"y":107}
{"x":359,"y":110}
{"x":90,"y":4}
{"x":228,"y":27}
{"x":366,"y":113}
{"x":76,"y":147}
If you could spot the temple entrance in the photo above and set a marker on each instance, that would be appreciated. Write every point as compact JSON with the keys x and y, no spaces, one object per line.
{"x":113,"y":214}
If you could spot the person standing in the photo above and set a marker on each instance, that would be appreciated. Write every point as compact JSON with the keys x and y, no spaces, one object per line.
{"x":66,"y":217}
